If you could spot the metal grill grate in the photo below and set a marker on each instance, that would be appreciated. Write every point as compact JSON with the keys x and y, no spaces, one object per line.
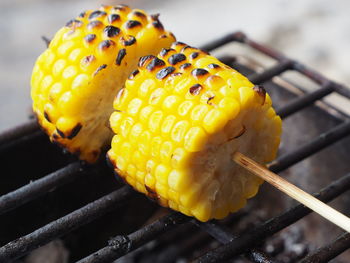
{"x":231,"y":245}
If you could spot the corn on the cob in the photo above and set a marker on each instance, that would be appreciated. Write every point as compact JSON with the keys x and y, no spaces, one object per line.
{"x":76,"y":79}
{"x":178,"y":121}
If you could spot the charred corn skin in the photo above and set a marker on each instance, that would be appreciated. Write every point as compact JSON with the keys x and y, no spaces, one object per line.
{"x":75,"y":80}
{"x":178,"y":121}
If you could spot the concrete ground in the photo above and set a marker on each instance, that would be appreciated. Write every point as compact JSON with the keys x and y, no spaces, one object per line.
{"x":314,"y":31}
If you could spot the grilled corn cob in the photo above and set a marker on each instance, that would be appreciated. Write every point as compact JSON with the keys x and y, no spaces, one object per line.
{"x":178,"y":121}
{"x":75,"y":80}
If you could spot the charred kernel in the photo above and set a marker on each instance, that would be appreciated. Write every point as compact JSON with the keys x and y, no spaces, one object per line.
{"x":178,"y":43}
{"x":261,"y":91}
{"x":121,"y":55}
{"x":163,"y":36}
{"x":194,"y":55}
{"x":155,"y":63}
{"x":47,"y":117}
{"x":128,"y":41}
{"x":60,"y":133}
{"x":176,"y":58}
{"x":111,"y":31}
{"x":213,"y":65}
{"x":74,"y":132}
{"x":105,"y":44}
{"x":165,"y":72}
{"x":46,"y":40}
{"x":88,"y":59}
{"x":199,"y":72}
{"x":74,"y":23}
{"x":132,"y":23}
{"x":134,"y":73}
{"x":210,"y":99}
{"x":89,"y":38}
{"x":144,"y":59}
{"x":100,"y":68}
{"x":184,"y":48}
{"x":158,"y":24}
{"x":196,"y":89}
{"x":186,"y":65}
{"x":139,"y":14}
{"x":176,"y":74}
{"x":97,"y":13}
{"x":165,"y":51}
{"x":113,"y":17}
{"x":94,"y":24}
{"x":82,"y":14}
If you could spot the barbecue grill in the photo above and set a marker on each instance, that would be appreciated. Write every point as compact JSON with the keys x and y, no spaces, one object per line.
{"x":102,"y":220}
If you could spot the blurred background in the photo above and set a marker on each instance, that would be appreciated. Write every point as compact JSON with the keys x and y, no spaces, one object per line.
{"x":316,"y":32}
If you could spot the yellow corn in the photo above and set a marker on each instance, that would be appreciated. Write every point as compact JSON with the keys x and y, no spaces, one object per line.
{"x":75,"y":80}
{"x":177,"y":123}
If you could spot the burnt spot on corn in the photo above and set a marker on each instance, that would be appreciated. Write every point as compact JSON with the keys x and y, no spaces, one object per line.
{"x":95,"y":24}
{"x":186,"y":65}
{"x":47,"y":117}
{"x":120,"y":56}
{"x":175,"y":74}
{"x":88,"y":59}
{"x":155,"y":63}
{"x":197,"y":72}
{"x":194,"y":55}
{"x":99,"y":69}
{"x":139,"y":14}
{"x":74,"y":23}
{"x":163,"y":73}
{"x":165,"y":51}
{"x":163,"y":36}
{"x":156,"y":23}
{"x":184,"y":48}
{"x":128,"y":40}
{"x":178,"y":44}
{"x":90,"y":38}
{"x":113,"y":17}
{"x":97,"y":13}
{"x":151,"y":193}
{"x":210,"y":99}
{"x":111,"y":31}
{"x":213,"y":65}
{"x":196,"y":89}
{"x":82,"y":14}
{"x":144,"y":59}
{"x":55,"y":136}
{"x":261,"y":92}
{"x":133,"y":74}
{"x":132,"y":23}
{"x":46,"y":40}
{"x":60,"y":133}
{"x":105,"y":44}
{"x":176,"y":58}
{"x":74,"y":132}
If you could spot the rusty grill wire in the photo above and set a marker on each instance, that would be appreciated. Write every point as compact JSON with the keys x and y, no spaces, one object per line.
{"x":231,"y":245}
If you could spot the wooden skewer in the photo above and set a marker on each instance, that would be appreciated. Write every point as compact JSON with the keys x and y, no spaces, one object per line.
{"x":283,"y":185}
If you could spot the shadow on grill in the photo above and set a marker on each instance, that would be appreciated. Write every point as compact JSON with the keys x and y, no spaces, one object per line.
{"x":47,"y":195}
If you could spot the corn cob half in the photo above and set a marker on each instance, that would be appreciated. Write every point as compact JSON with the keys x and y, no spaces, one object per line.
{"x":178,"y":121}
{"x":76,"y":79}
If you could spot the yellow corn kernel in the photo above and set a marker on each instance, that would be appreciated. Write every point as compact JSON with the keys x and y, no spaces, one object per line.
{"x":194,"y":117}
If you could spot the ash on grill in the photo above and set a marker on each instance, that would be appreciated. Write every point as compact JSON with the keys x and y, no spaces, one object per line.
{"x":100,"y":220}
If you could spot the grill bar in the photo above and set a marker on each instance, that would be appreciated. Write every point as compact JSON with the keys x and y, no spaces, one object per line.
{"x":270,"y":227}
{"x":329,"y":251}
{"x":82,"y":216}
{"x":304,"y":101}
{"x":224,"y":236}
{"x":270,"y":73}
{"x":120,"y":245}
{"x":41,"y":186}
{"x":321,"y":142}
